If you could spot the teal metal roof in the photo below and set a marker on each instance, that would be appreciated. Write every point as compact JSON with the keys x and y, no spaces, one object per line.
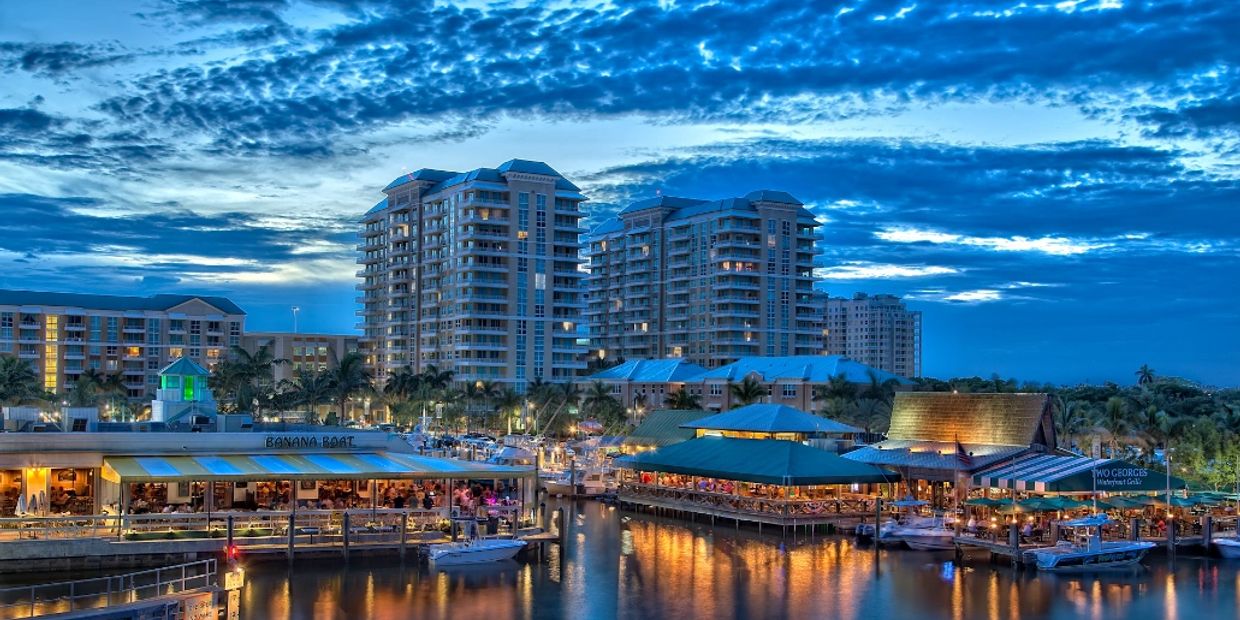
{"x":766,"y":461}
{"x":111,"y":302}
{"x":422,"y":174}
{"x":812,"y":368}
{"x":184,"y":367}
{"x":769,"y":418}
{"x":651,"y":371}
{"x":379,"y":206}
{"x":767,"y":195}
{"x":444,"y":179}
{"x":663,"y":427}
{"x":940,"y":455}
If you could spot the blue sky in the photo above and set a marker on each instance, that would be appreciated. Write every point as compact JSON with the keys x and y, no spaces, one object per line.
{"x":1055,"y":185}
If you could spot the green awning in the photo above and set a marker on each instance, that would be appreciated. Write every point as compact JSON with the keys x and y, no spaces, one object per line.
{"x":767,"y":461}
{"x":327,"y":466}
{"x":1053,"y":473}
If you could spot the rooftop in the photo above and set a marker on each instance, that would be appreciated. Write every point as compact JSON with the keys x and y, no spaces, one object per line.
{"x":651,"y":371}
{"x":811,"y":368}
{"x":996,"y":419}
{"x":939,"y":455}
{"x":766,"y":418}
{"x":688,"y":207}
{"x":664,"y":427}
{"x":111,"y":302}
{"x":766,"y":461}
{"x":184,"y":367}
{"x":442,"y":179}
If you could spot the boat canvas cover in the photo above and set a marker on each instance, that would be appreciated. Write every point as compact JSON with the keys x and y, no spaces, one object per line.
{"x":1053,"y":473}
{"x":767,"y":461}
{"x":336,"y":466}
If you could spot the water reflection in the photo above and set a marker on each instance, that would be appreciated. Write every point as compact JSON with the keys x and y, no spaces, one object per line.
{"x":641,"y":567}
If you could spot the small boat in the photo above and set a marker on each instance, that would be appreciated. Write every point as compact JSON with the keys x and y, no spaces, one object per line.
{"x":590,"y":483}
{"x":1088,"y":552}
{"x":922,"y":534}
{"x":1228,"y":547}
{"x":475,"y":551}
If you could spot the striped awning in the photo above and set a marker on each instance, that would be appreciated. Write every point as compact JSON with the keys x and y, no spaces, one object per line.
{"x":361,"y":465}
{"x":1052,"y":473}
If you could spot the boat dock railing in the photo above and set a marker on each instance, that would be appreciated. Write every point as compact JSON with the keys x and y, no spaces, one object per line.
{"x":321,"y":525}
{"x":68,"y":596}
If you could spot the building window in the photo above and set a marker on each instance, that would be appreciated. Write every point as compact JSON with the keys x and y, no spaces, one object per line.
{"x":790,"y":391}
{"x":716,"y":389}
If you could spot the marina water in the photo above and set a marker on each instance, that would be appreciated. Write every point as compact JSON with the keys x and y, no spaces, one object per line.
{"x":625,"y":565}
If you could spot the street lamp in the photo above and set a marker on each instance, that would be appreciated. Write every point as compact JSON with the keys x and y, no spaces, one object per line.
{"x":296,"y":310}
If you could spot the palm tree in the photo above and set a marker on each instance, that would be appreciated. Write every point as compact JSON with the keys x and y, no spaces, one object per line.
{"x":19,"y":383}
{"x":683,"y":399}
{"x":312,"y":388}
{"x":349,"y":378}
{"x":597,"y":397}
{"x":872,"y":415}
{"x":436,"y":378}
{"x":1072,"y":419}
{"x":508,"y":405}
{"x":1116,"y":424}
{"x":1145,"y":375}
{"x":880,"y":390}
{"x":748,"y":391}
{"x":839,"y":387}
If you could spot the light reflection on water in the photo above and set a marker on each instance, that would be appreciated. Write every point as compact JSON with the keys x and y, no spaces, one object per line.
{"x":644,"y":567}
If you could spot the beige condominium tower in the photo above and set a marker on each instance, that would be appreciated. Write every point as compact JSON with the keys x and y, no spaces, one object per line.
{"x":474,"y":272}
{"x":708,"y":281}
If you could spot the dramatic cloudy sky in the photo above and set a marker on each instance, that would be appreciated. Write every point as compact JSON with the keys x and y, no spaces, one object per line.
{"x":1055,"y":186}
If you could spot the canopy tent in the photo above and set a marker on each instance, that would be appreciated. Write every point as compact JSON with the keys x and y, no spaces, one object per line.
{"x":767,"y":461}
{"x":337,"y":466}
{"x":1052,"y":473}
{"x":983,"y":501}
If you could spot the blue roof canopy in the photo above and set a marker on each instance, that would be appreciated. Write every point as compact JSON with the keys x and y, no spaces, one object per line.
{"x":765,"y":461}
{"x":769,"y":418}
{"x":811,"y":368}
{"x":651,"y":371}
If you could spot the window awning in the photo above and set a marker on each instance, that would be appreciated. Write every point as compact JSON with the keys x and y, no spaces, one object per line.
{"x":337,"y":466}
{"x":1053,"y":473}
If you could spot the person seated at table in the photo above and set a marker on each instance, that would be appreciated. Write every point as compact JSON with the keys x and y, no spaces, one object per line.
{"x":428,"y":501}
{"x":168,"y":509}
{"x":971,"y":526}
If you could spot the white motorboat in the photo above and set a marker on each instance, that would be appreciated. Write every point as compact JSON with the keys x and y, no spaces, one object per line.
{"x":590,"y":483}
{"x":475,"y":551}
{"x":1088,"y":552}
{"x":1228,"y":547}
{"x":938,"y":538}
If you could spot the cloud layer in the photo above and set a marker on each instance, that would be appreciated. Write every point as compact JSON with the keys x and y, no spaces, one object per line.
{"x":1056,"y":178}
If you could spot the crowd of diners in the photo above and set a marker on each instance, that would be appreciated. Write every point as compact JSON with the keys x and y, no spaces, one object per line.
{"x":469,"y":496}
{"x":742,"y":489}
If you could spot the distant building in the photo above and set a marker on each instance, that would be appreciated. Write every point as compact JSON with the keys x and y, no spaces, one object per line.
{"x":876,"y":330}
{"x":312,"y":352}
{"x":788,"y":380}
{"x":707,"y":281}
{"x":476,"y":273}
{"x":65,"y":334}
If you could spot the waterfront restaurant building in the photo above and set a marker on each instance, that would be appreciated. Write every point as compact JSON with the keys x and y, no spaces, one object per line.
{"x":59,"y":473}
{"x":751,"y":464}
{"x":925,"y":427}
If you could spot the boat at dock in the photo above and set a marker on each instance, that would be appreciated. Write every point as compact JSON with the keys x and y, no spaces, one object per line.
{"x":1228,"y":547}
{"x":587,"y":483}
{"x":922,"y":534}
{"x":475,"y":551}
{"x":1087,"y":551}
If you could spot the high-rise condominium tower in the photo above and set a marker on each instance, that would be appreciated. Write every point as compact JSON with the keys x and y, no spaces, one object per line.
{"x":474,"y":272}
{"x":709,"y":281}
{"x":876,"y":330}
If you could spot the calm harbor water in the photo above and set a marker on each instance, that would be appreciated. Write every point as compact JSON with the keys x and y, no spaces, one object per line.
{"x":645,"y":567}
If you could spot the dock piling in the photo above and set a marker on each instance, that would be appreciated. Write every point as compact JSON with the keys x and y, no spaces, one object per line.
{"x":1207,"y":532}
{"x":344,"y":529}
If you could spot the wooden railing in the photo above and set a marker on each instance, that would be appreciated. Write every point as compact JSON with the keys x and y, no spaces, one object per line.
{"x":743,"y":504}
